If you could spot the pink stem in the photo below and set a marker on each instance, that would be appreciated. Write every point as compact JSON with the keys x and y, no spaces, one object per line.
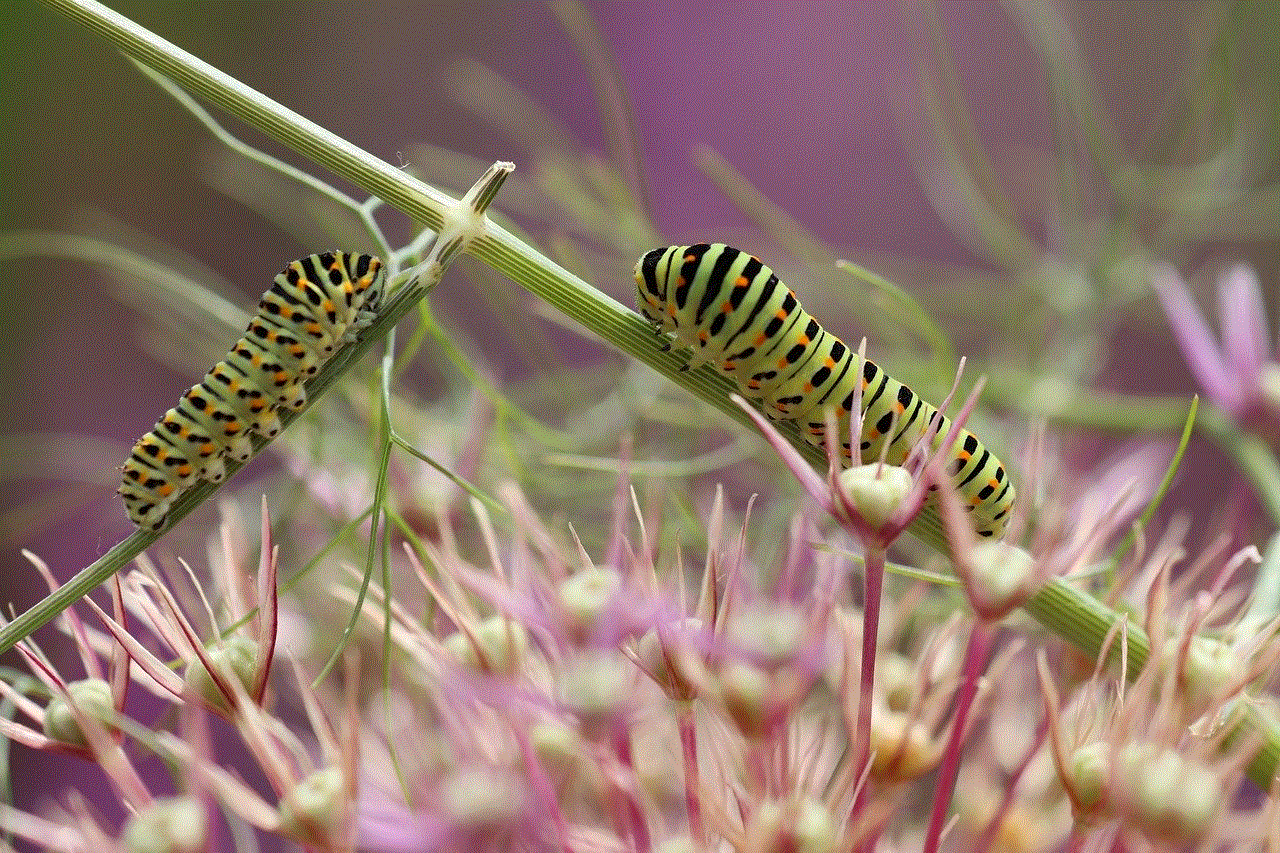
{"x":640,"y":841}
{"x":689,"y":746}
{"x":873,"y":587}
{"x":975,"y":658}
{"x":543,"y":790}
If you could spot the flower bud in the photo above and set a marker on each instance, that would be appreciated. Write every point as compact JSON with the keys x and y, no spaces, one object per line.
{"x":316,"y":808}
{"x":1269,"y":385}
{"x":904,"y":748}
{"x":875,"y":491}
{"x":562,"y":754}
{"x":804,"y":826}
{"x":233,"y":658}
{"x":748,"y":697}
{"x":1002,"y":577}
{"x":1210,"y":671}
{"x":1088,"y":771}
{"x":587,"y":596}
{"x":92,"y":697}
{"x":170,"y":825}
{"x":771,"y":637}
{"x":897,"y":680}
{"x":1165,"y":792}
{"x":483,"y":800}
{"x":679,"y":844}
{"x":669,"y":657}
{"x":497,"y":646}
{"x":597,"y":688}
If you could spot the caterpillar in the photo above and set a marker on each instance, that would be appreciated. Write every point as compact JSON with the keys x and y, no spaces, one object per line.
{"x":732,"y":311}
{"x":315,"y":305}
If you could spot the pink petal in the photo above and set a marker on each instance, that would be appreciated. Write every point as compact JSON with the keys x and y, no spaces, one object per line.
{"x":1244,"y":321}
{"x":1196,"y":341}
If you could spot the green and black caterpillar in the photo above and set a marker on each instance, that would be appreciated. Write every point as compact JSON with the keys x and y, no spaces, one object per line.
{"x":733,"y":312}
{"x":315,"y":305}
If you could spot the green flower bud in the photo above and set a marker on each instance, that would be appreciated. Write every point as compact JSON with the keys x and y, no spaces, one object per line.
{"x":315,"y":809}
{"x":1165,"y":792}
{"x":92,"y":696}
{"x":171,"y":825}
{"x":1088,"y":772}
{"x":234,"y":660}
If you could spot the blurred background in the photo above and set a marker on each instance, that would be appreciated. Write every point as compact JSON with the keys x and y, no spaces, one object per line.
{"x":1012,"y":166}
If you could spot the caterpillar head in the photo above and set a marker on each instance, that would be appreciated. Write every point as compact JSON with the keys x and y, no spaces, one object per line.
{"x":651,"y":289}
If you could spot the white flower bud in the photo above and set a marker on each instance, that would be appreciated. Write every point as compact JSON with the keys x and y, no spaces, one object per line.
{"x":805,"y":826}
{"x":480,"y":799}
{"x":1003,"y":576}
{"x":598,"y":689}
{"x":586,"y":596}
{"x":876,"y":491}
{"x":499,"y":646}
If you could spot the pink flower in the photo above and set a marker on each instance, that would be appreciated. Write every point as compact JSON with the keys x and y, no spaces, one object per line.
{"x":1241,"y":376}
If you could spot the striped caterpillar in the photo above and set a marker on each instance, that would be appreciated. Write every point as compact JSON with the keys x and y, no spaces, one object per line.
{"x":733,"y":312}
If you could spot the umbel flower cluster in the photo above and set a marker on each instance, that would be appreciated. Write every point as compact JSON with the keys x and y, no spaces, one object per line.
{"x":516,"y":692}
